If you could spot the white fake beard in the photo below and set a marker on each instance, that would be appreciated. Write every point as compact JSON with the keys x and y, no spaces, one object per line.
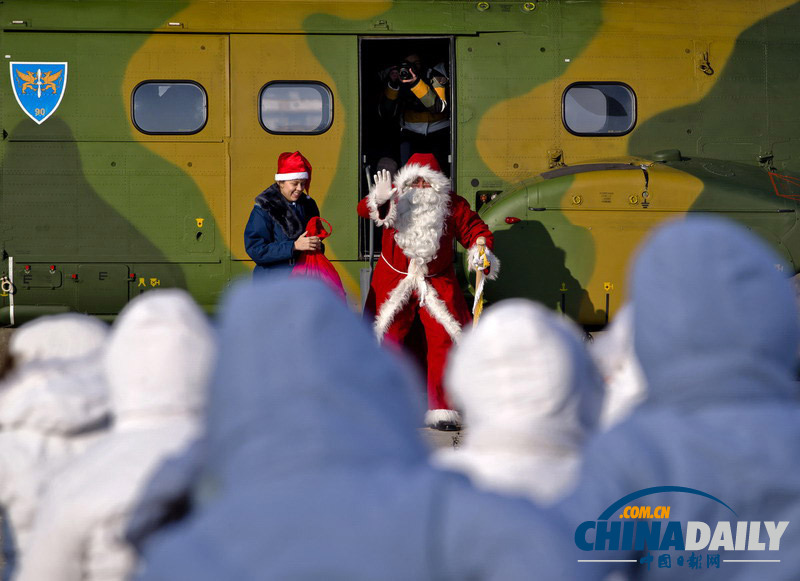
{"x":421,"y":213}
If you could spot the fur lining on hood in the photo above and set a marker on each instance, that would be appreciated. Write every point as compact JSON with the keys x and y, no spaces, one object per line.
{"x":273,"y":202}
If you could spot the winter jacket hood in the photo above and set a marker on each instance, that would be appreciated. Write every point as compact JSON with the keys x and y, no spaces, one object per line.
{"x":530,"y":395}
{"x":57,"y":384}
{"x":614,"y":354}
{"x":724,"y":312}
{"x":320,"y":404}
{"x":159,"y":357}
{"x":53,"y":404}
{"x":58,"y":338}
{"x":545,"y":389}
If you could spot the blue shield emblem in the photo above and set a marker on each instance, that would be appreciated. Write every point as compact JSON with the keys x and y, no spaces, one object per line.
{"x":39,"y":87}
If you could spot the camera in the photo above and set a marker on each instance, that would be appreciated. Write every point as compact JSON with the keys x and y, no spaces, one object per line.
{"x":405,"y":71}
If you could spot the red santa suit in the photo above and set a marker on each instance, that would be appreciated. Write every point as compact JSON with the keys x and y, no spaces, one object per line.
{"x":415,"y":273}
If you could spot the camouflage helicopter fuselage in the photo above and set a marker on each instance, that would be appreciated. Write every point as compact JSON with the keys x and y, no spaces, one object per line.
{"x":94,"y":211}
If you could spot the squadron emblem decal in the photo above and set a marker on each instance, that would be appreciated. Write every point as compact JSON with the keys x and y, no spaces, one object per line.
{"x":38,"y":87}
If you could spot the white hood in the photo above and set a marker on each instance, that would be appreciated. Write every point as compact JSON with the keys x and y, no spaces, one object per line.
{"x":530,"y":395}
{"x":59,"y":338}
{"x":523,"y":371}
{"x":52,"y":404}
{"x":162,"y":348}
{"x":158,"y":361}
{"x":612,"y":350}
{"x":57,"y":384}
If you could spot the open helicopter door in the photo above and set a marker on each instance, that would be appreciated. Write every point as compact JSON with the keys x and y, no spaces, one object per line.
{"x":381,"y":137}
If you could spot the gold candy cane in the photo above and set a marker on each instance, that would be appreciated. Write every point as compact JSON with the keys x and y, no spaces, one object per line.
{"x":480,"y":277}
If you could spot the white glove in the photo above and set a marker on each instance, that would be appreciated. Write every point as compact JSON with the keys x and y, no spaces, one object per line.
{"x":475,"y":258}
{"x":383,"y":189}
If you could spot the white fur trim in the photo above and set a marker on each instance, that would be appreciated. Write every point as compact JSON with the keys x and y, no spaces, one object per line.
{"x":408,"y":173}
{"x":429,"y":299}
{"x":494,"y":262}
{"x":433,"y":417}
{"x":300,"y":175}
{"x":374,"y":214}
{"x":394,"y":302}
{"x":438,"y":309}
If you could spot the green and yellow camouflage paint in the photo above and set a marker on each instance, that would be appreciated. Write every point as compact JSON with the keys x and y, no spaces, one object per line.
{"x":117,"y":212}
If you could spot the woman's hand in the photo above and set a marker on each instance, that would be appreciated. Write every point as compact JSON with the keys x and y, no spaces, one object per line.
{"x":307,"y":243}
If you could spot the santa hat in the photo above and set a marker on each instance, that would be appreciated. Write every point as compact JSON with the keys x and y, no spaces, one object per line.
{"x":422,"y":165}
{"x":425,"y":160}
{"x":293,"y":166}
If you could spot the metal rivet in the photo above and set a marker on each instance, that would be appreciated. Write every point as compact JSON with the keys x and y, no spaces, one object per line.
{"x":483,"y":6}
{"x":529,"y":6}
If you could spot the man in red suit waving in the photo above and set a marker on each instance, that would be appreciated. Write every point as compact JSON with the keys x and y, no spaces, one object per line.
{"x":421,"y":217}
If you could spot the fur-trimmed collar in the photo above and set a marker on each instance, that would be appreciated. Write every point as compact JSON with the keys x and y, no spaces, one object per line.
{"x":273,"y":202}
{"x":412,"y":171}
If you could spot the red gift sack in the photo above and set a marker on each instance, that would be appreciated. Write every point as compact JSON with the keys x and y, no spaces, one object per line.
{"x":314,"y":264}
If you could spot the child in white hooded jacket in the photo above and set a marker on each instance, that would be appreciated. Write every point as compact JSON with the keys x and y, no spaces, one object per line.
{"x":530,"y":395}
{"x":157,"y":363}
{"x":53,"y":404}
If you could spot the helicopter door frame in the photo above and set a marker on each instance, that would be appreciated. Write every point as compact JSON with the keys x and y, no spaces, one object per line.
{"x":364,"y":118}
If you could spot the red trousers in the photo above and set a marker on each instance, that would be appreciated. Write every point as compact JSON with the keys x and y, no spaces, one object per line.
{"x":438,"y":345}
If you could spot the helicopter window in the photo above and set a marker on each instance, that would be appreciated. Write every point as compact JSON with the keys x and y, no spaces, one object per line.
{"x":601,"y":109}
{"x":296,"y":107}
{"x":169,"y":107}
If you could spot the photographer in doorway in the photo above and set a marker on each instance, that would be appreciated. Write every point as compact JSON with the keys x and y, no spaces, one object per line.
{"x":417,"y":98}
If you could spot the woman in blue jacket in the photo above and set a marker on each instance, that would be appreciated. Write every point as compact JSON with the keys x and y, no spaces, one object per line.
{"x":276,"y":231}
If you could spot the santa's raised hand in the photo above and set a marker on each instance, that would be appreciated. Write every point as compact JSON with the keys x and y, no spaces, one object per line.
{"x":383,"y":189}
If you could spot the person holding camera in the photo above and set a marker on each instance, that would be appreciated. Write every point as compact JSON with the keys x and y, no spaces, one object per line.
{"x":417,"y":99}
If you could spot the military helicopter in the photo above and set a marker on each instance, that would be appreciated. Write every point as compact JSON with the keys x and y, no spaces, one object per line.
{"x":136,"y":135}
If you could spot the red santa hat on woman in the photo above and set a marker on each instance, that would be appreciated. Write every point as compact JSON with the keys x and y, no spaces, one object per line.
{"x":293,"y":166}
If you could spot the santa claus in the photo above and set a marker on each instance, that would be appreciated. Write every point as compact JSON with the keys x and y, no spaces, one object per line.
{"x":421,"y":218}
